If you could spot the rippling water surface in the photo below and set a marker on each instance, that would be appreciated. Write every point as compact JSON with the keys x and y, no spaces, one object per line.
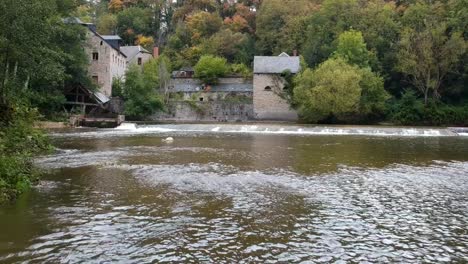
{"x":243,"y":198}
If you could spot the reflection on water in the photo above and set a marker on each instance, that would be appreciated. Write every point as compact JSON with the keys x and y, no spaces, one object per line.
{"x":244,"y":199}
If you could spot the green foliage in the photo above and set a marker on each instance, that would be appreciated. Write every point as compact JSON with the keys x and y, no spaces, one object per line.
{"x":39,"y":53}
{"x":331,"y":90}
{"x":107,"y":24}
{"x":140,"y":95}
{"x":210,"y":68}
{"x":281,"y":25}
{"x":352,"y":48}
{"x":411,"y":110}
{"x":372,"y":105}
{"x":428,"y":55}
{"x":19,"y":142}
{"x":339,"y":92}
{"x":242,"y":70}
{"x":117,"y":87}
{"x":134,"y":21}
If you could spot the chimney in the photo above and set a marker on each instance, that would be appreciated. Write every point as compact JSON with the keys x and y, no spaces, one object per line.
{"x":155,"y":52}
{"x":295,"y":53}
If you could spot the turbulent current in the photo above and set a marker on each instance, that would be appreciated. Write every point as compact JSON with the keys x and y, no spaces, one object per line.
{"x":240,"y":194}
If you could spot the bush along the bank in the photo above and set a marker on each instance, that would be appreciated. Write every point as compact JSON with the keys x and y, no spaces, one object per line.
{"x":19,"y":143}
{"x":411,"y":110}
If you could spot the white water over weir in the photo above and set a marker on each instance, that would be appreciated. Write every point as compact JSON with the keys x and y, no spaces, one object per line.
{"x":287,"y":129}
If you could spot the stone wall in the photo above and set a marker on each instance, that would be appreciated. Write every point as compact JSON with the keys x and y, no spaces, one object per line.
{"x":187,"y":111}
{"x":145,"y":57}
{"x":116,"y":105}
{"x":110,"y":63}
{"x":268,"y":105}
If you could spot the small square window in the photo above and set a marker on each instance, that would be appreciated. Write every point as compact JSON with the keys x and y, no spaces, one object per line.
{"x":201,"y":99}
{"x":95,"y":56}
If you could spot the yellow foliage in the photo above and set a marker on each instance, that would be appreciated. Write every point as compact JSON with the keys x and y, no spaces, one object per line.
{"x":145,"y":42}
{"x":115,"y":5}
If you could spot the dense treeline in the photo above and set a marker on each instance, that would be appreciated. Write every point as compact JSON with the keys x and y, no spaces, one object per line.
{"x":411,"y":53}
{"x":39,"y":56}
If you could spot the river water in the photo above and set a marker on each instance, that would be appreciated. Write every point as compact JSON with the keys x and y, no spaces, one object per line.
{"x":244,"y":194}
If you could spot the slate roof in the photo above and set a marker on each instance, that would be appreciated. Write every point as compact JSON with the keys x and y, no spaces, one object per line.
{"x":276,"y":64}
{"x":132,"y":51}
{"x":106,"y":38}
{"x":111,"y":37}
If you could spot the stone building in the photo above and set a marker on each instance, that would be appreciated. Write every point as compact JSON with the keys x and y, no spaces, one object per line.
{"x":268,"y":86}
{"x":106,"y":59}
{"x":230,"y":100}
{"x":136,"y":55}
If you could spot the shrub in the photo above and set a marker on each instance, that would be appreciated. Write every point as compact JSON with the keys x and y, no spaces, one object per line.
{"x":242,"y":70}
{"x":410,"y":110}
{"x":209,"y":68}
{"x":19,"y":141}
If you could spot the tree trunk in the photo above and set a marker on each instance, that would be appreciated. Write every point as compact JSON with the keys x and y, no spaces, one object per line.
{"x":425,"y":96}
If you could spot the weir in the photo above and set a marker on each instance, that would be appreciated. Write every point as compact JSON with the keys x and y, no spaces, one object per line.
{"x":291,"y":129}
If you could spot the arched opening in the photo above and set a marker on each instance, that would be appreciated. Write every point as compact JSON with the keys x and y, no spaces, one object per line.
{"x":267,"y":88}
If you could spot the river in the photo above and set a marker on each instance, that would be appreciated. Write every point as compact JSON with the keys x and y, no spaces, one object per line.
{"x":244,"y":194}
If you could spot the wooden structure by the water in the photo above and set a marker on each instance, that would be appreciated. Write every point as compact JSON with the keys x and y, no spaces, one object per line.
{"x":93,"y":108}
{"x":82,"y":100}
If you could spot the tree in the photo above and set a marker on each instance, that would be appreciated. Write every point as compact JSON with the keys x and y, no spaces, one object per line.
{"x":116,"y":5}
{"x":140,"y":96}
{"x":134,"y":21}
{"x":279,"y":22}
{"x":352,"y":48}
{"x":145,"y":42}
{"x":107,"y":24}
{"x":324,"y":26}
{"x":331,"y":90}
{"x":372,"y":104}
{"x":209,"y":68}
{"x":427,"y":56}
{"x":39,"y":53}
{"x":224,"y":43}
{"x":203,"y":24}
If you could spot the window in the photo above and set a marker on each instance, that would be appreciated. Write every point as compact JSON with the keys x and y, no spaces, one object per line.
{"x":101,"y":43}
{"x":139,"y":61}
{"x":95,"y":56}
{"x":201,"y":99}
{"x":268,"y":88}
{"x":95,"y":78}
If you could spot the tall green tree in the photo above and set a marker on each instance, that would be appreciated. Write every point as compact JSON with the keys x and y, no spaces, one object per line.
{"x":280,"y":25}
{"x":331,"y":90}
{"x":429,"y":50}
{"x":353,"y":49}
{"x":141,"y":99}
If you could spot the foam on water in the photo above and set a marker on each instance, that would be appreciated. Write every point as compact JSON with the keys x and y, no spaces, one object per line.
{"x":126,"y":129}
